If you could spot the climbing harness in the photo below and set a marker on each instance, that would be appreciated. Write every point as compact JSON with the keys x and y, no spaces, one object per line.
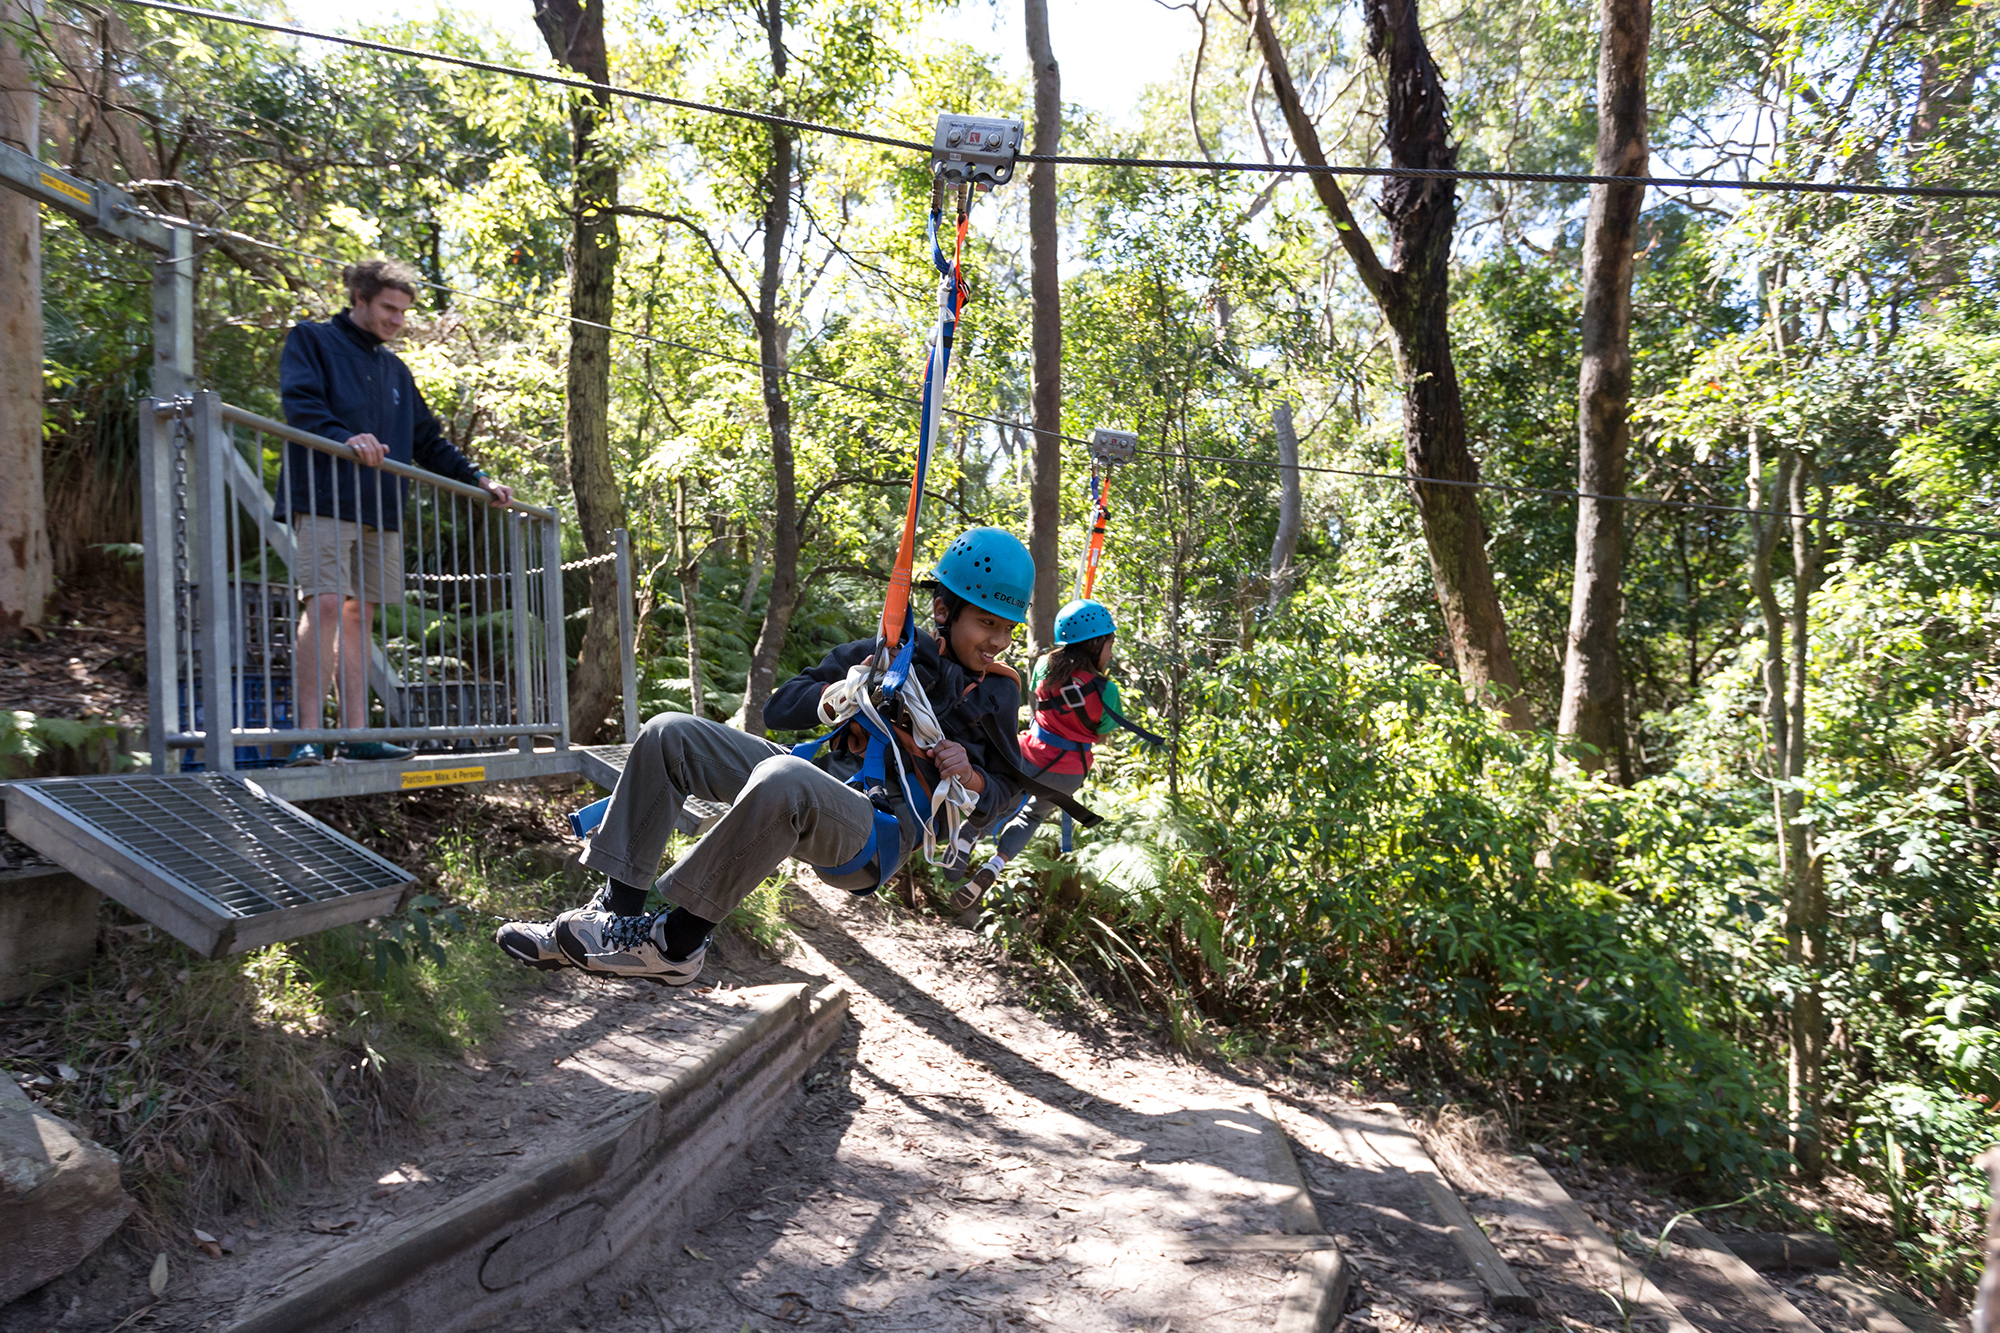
{"x":970,"y":155}
{"x":1108,"y":448}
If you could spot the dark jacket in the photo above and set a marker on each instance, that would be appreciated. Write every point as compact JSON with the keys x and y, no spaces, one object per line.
{"x":339,"y":381}
{"x":982,"y":713}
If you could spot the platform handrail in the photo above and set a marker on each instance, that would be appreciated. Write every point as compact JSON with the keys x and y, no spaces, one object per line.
{"x":237,"y":416}
{"x":464,"y":643}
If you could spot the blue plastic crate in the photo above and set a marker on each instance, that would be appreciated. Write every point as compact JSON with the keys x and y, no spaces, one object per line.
{"x":250,"y":712}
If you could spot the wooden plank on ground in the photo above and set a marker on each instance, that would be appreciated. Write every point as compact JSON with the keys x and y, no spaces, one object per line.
{"x":1621,"y":1280}
{"x":1318,"y":1292}
{"x":1700,"y":1243}
{"x":1392,"y":1139}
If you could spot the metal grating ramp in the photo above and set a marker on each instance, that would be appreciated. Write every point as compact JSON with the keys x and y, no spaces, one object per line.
{"x":214,"y":860}
{"x":603,"y":763}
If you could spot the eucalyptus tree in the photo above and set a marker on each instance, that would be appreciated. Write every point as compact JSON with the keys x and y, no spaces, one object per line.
{"x":1413,"y":292}
{"x":574,"y":30}
{"x":1593,"y":696}
{"x":27,"y":574}
{"x":1045,"y":492}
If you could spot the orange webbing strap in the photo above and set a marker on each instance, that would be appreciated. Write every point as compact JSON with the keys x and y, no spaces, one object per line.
{"x":895,"y":608}
{"x":1095,"y":552}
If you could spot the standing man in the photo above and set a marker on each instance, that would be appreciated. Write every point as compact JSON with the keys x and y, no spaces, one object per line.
{"x":339,"y":380}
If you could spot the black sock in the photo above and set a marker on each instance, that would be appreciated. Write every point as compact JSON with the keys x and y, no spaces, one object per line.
{"x":682,"y":933}
{"x":624,"y":899}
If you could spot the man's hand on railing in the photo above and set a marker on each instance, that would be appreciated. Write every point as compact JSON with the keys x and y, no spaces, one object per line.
{"x":500,"y":491}
{"x":367,"y":448}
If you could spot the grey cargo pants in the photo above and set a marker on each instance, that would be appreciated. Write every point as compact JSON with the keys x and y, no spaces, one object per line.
{"x":779,"y":806}
{"x":1021,"y":826}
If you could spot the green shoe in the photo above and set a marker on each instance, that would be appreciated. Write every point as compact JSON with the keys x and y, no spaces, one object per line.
{"x":374,"y":750}
{"x":305,"y":755}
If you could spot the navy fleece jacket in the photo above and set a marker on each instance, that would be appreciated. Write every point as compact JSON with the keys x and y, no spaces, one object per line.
{"x":982,"y":713}
{"x":339,"y":381}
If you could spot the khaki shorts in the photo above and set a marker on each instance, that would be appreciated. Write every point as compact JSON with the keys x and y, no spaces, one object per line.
{"x":337,"y":555}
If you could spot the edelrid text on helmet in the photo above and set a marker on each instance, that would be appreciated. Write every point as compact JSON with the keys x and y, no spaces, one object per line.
{"x":1083,"y":620}
{"x":989,"y":568}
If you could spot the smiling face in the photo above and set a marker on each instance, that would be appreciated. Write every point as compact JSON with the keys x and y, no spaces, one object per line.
{"x":977,"y":637}
{"x":382,"y":314}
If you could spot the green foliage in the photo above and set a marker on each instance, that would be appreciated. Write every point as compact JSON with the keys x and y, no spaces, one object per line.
{"x":1360,"y":852}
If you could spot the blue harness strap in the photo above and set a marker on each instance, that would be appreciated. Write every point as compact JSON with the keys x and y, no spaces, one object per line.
{"x":1047,"y":737}
{"x":885,"y":837}
{"x":873,"y":779}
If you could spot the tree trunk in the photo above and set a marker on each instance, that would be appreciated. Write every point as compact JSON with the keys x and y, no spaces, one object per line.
{"x":1285,"y":546}
{"x":27,"y":567}
{"x":1045,"y":291}
{"x":784,"y":595}
{"x":1986,"y":1303}
{"x":1593,"y":697}
{"x":1784,"y":713}
{"x":1413,"y":293}
{"x":1946,"y":77}
{"x":1805,"y":907}
{"x":689,"y":573}
{"x":574,"y":30}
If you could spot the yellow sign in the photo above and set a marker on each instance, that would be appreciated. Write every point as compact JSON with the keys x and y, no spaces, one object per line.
{"x":61,"y":186}
{"x":443,"y":777}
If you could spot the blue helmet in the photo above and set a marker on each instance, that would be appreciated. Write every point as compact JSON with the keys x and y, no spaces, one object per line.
{"x":989,"y":568}
{"x":1082,"y":621}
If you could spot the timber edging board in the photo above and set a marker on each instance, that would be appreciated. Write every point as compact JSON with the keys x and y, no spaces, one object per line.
{"x":565,"y":1217}
{"x":1318,"y":1291}
{"x":1399,"y":1146}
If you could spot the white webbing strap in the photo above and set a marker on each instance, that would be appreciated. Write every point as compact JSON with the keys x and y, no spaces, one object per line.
{"x":845,"y":699}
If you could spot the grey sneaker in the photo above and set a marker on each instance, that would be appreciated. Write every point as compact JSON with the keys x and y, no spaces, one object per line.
{"x":534,"y":942}
{"x":973,"y":892}
{"x":622,"y":946}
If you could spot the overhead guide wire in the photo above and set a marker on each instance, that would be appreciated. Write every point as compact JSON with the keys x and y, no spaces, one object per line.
{"x":1065,"y":159}
{"x":889,"y":396}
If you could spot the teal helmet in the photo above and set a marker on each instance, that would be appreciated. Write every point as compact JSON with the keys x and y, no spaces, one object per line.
{"x":1082,"y":621}
{"x":989,"y":568}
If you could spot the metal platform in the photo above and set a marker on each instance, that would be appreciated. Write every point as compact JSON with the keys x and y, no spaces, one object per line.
{"x":343,"y":777}
{"x":216,"y":861}
{"x":603,"y":763}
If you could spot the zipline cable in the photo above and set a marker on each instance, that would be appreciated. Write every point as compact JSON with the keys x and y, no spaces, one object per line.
{"x":517,"y":72}
{"x":1065,"y":159}
{"x":886,"y":395}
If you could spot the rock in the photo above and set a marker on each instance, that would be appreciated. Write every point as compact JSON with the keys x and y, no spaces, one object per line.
{"x":1780,"y":1251}
{"x":59,"y":1194}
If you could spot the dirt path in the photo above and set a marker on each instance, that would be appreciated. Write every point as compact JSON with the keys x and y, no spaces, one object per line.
{"x":962,"y":1163}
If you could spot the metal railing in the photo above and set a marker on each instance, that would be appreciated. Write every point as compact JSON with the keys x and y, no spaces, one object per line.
{"x":463,"y":605}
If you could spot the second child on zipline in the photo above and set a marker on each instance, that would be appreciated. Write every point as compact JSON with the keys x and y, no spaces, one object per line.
{"x":1075,"y":705}
{"x":783,"y":805}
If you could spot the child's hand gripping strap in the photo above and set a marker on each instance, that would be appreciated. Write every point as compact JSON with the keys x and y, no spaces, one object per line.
{"x":854,"y":700}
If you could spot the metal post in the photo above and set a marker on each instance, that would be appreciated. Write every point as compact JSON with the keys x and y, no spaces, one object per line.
{"x":517,"y":618}
{"x":628,"y":645}
{"x":156,"y":529}
{"x":173,"y":317}
{"x":552,"y":619}
{"x":209,"y":556}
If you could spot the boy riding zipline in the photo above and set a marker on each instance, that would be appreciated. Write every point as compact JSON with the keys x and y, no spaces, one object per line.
{"x":837,"y":803}
{"x":1075,"y":705}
